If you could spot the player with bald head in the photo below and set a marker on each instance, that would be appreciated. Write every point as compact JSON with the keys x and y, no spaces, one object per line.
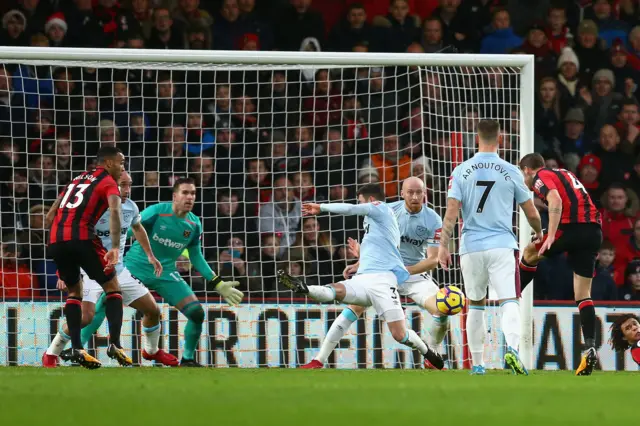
{"x":134,"y":293}
{"x":420,"y":228}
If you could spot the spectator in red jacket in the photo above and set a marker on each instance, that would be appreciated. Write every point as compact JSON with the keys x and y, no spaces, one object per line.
{"x":626,"y":252}
{"x":557,"y":31}
{"x":619,"y":213}
{"x":15,"y":279}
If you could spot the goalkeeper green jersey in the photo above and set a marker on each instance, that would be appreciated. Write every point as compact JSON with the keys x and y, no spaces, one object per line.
{"x":169,"y":236}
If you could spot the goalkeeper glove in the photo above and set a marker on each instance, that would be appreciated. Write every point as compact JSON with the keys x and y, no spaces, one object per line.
{"x":226,"y":289}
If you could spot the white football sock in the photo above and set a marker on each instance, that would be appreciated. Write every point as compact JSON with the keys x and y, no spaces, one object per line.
{"x":58,"y":343}
{"x":436,"y":331}
{"x":414,"y":341}
{"x":335,"y":333}
{"x":152,"y":337}
{"x":322,"y":293}
{"x":510,"y":321}
{"x":476,"y":334}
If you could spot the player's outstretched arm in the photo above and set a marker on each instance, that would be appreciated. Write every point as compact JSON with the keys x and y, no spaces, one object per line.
{"x":448,"y":225}
{"x":337,"y":208}
{"x":143,"y":239}
{"x":555,"y":214}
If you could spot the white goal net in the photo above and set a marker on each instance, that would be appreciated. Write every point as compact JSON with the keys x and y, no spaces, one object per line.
{"x":259,"y":134}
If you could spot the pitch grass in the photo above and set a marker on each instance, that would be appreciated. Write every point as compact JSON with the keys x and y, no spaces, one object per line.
{"x":231,"y":397}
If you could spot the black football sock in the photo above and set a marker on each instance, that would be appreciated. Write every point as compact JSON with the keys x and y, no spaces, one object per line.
{"x":588,"y":321}
{"x":527,"y":274}
{"x":114,"y":310}
{"x":73,"y":314}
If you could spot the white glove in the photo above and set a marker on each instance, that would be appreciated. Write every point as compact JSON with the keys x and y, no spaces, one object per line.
{"x":231,"y":295}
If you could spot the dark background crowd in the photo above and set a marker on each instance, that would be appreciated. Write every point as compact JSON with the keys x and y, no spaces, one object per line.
{"x":259,"y":141}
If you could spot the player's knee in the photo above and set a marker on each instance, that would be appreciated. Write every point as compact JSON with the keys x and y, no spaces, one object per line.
{"x":87,"y":317}
{"x":195,"y":313}
{"x":530,"y":255}
{"x":153,"y":313}
{"x":399,"y":334}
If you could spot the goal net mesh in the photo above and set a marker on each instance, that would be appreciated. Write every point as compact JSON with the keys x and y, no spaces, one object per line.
{"x":257,"y":140}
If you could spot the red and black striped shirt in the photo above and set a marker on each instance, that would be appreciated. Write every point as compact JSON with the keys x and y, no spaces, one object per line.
{"x":577,"y":206}
{"x":83,"y":202}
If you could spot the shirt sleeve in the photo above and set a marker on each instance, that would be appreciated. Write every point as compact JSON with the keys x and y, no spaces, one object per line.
{"x":435,"y":229}
{"x":543,"y":183}
{"x":349,"y":209}
{"x":110,"y":188}
{"x":455,"y":191}
{"x":197,"y":259}
{"x":522,"y":193}
{"x":136,"y":214}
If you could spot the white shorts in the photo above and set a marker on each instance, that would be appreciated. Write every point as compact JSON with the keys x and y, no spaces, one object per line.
{"x":131,"y":288}
{"x":495,"y":268}
{"x":379,"y":290}
{"x":419,"y":288}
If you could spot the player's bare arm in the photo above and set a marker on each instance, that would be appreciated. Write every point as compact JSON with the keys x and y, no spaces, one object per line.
{"x":448,"y":224}
{"x":142,"y":237}
{"x":309,"y":209}
{"x":533,"y":217}
{"x":51,"y":214}
{"x":115,"y":224}
{"x":426,"y":265}
{"x":555,"y":214}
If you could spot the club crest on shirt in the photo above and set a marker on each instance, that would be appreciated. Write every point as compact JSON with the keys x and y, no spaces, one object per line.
{"x":421,"y":231}
{"x":186,"y":234}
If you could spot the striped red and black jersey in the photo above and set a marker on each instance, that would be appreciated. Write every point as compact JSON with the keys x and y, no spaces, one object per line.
{"x":577,"y":206}
{"x":635,"y":352}
{"x":83,"y":202}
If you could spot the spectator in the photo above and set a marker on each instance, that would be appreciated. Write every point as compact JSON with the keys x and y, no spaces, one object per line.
{"x":628,"y":127}
{"x":16,"y":280}
{"x":324,"y":105}
{"x":230,"y":154}
{"x":607,"y":258}
{"x":137,"y":21}
{"x":454,"y":31}
{"x":351,"y":30}
{"x":432,"y":34}
{"x":85,"y":29}
{"x":538,"y":45}
{"x":13,"y":33}
{"x":106,"y":12}
{"x":573,"y":140}
{"x":622,"y":71}
{"x":231,"y":220}
{"x":392,"y":166}
{"x":631,"y":290}
{"x":548,"y":114}
{"x":199,"y":138}
{"x":296,"y":22}
{"x":634,"y":54}
{"x":163,"y":34}
{"x":262,"y":269}
{"x":619,"y":212}
{"x":275,"y":106}
{"x":188,"y":13}
{"x":221,"y":107}
{"x":616,"y":167}
{"x":43,"y":174}
{"x":603,"y":103}
{"x":476,"y":16}
{"x":397,"y":30}
{"x":56,"y":29}
{"x":253,"y":23}
{"x":588,"y":171}
{"x":198,"y":38}
{"x":626,"y":251}
{"x":557,"y":31}
{"x":501,"y":39}
{"x":36,"y":13}
{"x":610,"y":28}
{"x":304,"y":190}
{"x":589,"y":50}
{"x":232,"y":263}
{"x":227,"y":28}
{"x":32,"y":241}
{"x":256,"y":186}
{"x":12,"y":112}
{"x":568,"y":67}
{"x":316,"y":249}
{"x":282,"y":214}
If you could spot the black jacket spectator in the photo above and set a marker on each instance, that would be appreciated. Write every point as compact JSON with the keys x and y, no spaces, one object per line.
{"x":294,"y":25}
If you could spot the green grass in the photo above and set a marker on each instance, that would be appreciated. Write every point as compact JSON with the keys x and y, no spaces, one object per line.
{"x":231,"y":397}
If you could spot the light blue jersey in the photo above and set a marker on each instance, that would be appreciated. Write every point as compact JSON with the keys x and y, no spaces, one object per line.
{"x":486,"y":185}
{"x":379,"y":250}
{"x":130,"y":216}
{"x":418,"y":231}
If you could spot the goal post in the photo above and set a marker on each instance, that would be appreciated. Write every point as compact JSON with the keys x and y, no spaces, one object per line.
{"x":176,"y":110}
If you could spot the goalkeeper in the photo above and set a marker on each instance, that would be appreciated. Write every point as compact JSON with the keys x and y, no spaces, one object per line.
{"x":172,"y":227}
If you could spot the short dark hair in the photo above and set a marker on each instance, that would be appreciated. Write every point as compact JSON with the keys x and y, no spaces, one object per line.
{"x":106,"y":152}
{"x":608,"y":245}
{"x":628,"y":102}
{"x":354,"y":6}
{"x":616,"y":340}
{"x":533,"y":161}
{"x":488,"y":130}
{"x":371,"y":190}
{"x":182,"y":181}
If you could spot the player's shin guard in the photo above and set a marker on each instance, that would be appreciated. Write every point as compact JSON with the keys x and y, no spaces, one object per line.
{"x":527,"y":273}
{"x":114,"y":312}
{"x":58,"y":343}
{"x":335,"y":333}
{"x":588,"y":321}
{"x":192,"y":331}
{"x":476,"y":333}
{"x":151,"y":338}
{"x":73,"y":314}
{"x":510,"y":321}
{"x":437,"y":330}
{"x":414,"y":341}
{"x":90,"y":329}
{"x":322,"y":293}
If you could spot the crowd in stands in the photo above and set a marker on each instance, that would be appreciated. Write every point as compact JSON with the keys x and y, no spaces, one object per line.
{"x":261,"y":141}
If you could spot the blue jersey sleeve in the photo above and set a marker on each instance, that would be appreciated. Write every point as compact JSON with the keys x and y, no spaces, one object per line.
{"x":136,"y":214}
{"x":455,"y":191}
{"x":350,"y":209}
{"x":435,"y":228}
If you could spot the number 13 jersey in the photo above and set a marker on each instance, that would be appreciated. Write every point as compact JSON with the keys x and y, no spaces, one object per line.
{"x":83,"y":202}
{"x":486,"y":186}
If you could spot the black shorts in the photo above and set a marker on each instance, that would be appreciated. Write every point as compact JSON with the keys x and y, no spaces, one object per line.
{"x":581,"y":242}
{"x":70,"y":256}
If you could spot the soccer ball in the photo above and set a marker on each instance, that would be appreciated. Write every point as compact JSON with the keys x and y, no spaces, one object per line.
{"x":450,"y":300}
